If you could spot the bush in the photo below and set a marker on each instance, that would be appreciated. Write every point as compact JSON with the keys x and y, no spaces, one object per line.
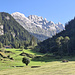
{"x":26,"y":60}
{"x":8,"y":56}
{"x":11,"y":58}
{"x":22,"y":47}
{"x":64,"y":60}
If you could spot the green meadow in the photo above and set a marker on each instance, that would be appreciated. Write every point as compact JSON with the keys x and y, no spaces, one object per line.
{"x":44,"y":65}
{"x":15,"y":54}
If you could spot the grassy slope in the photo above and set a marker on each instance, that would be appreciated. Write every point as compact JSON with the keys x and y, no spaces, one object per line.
{"x":7,"y":64}
{"x":47,"y":68}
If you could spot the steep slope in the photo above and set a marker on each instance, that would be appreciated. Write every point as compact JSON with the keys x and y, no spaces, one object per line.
{"x":39,"y":27}
{"x":12,"y":33}
{"x":61,"y":44}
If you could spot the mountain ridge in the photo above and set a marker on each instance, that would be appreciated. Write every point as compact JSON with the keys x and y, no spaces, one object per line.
{"x":12,"y":33}
{"x":37,"y":25}
{"x":62,"y":44}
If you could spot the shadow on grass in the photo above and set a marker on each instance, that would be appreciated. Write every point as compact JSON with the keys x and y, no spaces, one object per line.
{"x":35,"y":52}
{"x":35,"y":66}
{"x":49,"y":58}
{"x":17,"y":66}
{"x":18,"y":50}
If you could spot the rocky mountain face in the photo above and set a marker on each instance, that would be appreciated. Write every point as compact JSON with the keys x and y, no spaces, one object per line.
{"x":1,"y":29}
{"x":39,"y":27}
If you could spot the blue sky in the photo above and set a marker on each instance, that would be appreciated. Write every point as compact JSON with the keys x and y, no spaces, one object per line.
{"x":53,"y":10}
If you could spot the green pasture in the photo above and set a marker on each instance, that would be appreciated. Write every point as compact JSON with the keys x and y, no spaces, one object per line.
{"x":45,"y":65}
{"x":15,"y":54}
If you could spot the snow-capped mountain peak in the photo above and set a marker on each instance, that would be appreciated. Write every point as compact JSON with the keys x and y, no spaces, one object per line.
{"x":18,"y":14}
{"x":35,"y":18}
{"x":39,"y":27}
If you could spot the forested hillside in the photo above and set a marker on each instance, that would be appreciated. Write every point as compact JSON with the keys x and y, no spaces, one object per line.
{"x":12,"y":33}
{"x":61,"y":44}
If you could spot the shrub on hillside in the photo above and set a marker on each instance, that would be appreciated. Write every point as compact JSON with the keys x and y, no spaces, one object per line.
{"x":64,"y":60}
{"x":26,"y":60}
{"x":22,"y":47}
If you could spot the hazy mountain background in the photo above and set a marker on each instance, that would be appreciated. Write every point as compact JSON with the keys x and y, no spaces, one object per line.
{"x":37,"y":26}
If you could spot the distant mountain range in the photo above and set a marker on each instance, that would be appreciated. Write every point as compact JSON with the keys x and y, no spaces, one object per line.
{"x":37,"y":26}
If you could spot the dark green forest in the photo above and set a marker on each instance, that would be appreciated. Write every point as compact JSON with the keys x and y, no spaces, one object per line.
{"x":61,"y":44}
{"x":14,"y":34}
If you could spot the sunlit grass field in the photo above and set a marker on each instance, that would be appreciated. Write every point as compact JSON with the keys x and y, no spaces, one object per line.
{"x":7,"y":64}
{"x":51,"y":67}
